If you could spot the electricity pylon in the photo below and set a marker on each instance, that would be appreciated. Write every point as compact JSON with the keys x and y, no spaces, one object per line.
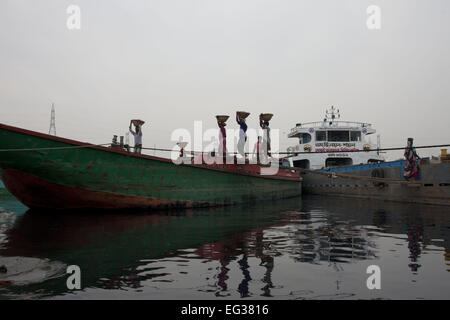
{"x":52,"y":129}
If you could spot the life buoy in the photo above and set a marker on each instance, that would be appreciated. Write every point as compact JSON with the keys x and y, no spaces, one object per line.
{"x":378,"y":173}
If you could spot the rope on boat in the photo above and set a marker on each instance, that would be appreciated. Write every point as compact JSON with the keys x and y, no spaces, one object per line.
{"x":301,"y":170}
{"x":55,"y":148}
{"x":291,"y":153}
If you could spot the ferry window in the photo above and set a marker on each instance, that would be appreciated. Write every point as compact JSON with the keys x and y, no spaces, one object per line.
{"x":337,"y":162}
{"x":355,"y":135}
{"x":301,"y":163}
{"x":305,"y":138}
{"x":340,"y":136}
{"x":321,"y":136}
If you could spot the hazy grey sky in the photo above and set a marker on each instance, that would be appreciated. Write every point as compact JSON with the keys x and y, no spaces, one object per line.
{"x":171,"y":62}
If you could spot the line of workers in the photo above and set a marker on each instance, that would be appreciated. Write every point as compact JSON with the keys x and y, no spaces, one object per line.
{"x":262,"y":146}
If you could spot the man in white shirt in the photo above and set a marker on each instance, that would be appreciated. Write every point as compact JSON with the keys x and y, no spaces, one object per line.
{"x":137,"y":138}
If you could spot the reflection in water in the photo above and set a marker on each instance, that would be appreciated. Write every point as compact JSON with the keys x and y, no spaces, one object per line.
{"x":414,"y":240}
{"x":243,"y":286}
{"x":447,"y":258}
{"x":304,"y":237}
{"x":292,"y":249}
{"x":268,"y":263}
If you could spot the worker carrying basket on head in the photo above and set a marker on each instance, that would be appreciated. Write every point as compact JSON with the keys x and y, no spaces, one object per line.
{"x":137,"y":134}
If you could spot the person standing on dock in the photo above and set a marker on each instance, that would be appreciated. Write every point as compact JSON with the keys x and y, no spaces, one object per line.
{"x":242,"y":134}
{"x":411,"y":169}
{"x":137,"y":138}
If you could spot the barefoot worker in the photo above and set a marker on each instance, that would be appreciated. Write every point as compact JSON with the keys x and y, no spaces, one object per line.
{"x":137,"y":134}
{"x":411,"y":167}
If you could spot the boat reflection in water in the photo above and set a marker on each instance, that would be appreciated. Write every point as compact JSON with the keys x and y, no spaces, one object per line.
{"x":318,"y":247}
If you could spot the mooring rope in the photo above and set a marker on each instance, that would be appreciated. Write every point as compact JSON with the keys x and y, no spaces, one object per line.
{"x":291,"y":153}
{"x":54,"y":148}
{"x":301,"y":170}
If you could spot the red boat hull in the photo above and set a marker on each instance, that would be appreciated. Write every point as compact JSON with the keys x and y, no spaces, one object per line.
{"x":37,"y":193}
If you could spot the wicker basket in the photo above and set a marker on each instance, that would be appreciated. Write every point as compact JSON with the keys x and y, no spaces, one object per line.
{"x":242,"y":114}
{"x":137,"y":122}
{"x":222,"y":118}
{"x":266,"y":116}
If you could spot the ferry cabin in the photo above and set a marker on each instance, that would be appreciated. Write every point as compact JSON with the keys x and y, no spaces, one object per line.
{"x":331,"y":143}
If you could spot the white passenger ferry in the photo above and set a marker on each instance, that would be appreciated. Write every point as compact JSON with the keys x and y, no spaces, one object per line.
{"x":332,"y":142}
{"x":326,"y":147}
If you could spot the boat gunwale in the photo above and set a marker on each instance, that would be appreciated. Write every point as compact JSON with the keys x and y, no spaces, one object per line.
{"x":147,"y":157}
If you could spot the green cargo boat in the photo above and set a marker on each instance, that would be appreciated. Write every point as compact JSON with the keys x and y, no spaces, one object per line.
{"x":48,"y":172}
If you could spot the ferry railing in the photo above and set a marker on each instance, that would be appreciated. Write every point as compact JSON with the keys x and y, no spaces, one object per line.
{"x":331,"y":124}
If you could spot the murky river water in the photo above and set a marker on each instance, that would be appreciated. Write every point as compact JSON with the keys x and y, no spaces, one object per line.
{"x":310,"y":248}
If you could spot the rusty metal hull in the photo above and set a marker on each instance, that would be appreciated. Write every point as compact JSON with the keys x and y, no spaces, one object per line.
{"x":433,"y":186}
{"x":107,"y":178}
